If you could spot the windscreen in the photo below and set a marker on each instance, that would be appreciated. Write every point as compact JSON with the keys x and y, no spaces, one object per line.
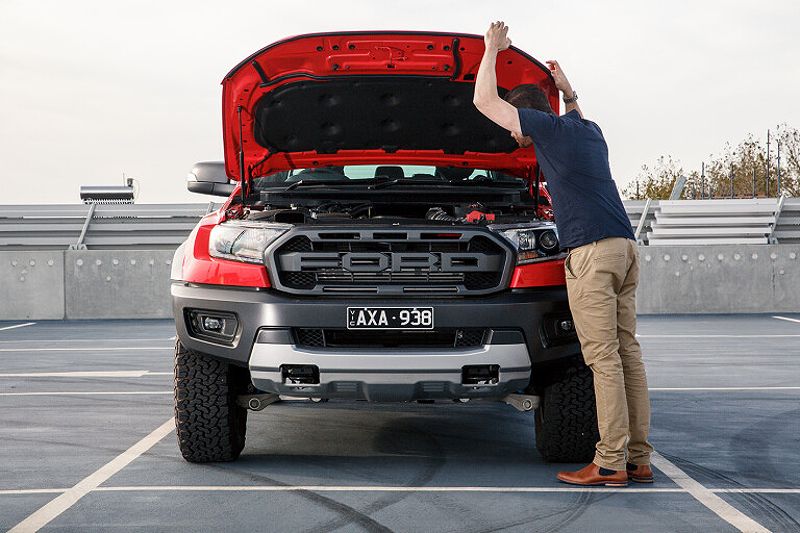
{"x":353,"y":174}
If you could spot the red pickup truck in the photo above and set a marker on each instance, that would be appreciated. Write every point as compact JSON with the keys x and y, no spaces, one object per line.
{"x":381,"y":240}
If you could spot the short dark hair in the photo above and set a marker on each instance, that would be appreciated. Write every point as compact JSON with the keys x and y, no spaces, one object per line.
{"x":528,"y":95}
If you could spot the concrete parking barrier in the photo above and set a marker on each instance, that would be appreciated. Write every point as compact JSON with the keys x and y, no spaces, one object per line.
{"x":31,"y":285}
{"x":719,"y":279}
{"x":78,"y":284}
{"x":117,"y":283}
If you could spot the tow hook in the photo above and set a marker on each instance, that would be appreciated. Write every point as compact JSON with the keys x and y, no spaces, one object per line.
{"x":522,"y":402}
{"x":256,"y":402}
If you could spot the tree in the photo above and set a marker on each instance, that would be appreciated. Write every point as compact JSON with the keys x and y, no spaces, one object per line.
{"x":731,"y":173}
{"x":655,"y":182}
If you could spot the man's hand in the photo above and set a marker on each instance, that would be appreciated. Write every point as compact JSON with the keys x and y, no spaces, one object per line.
{"x":486,"y":98}
{"x":562,"y":83}
{"x":496,"y":37}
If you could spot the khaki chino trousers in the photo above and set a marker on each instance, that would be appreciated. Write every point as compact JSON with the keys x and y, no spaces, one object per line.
{"x":601,"y":283}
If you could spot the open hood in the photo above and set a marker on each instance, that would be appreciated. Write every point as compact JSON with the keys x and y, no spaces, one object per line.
{"x":370,"y":97}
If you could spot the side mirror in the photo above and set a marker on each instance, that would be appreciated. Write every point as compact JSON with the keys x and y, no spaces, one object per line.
{"x":209,"y":178}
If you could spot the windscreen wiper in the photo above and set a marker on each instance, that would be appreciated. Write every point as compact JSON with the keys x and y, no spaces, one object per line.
{"x":488,"y":183}
{"x":406,"y":181}
{"x":311,"y":183}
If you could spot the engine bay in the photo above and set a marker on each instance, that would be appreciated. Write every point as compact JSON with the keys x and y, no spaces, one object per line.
{"x":399,"y":212}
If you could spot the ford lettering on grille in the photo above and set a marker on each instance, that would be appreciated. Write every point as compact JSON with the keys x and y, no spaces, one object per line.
{"x":393,"y":261}
{"x":411,"y":262}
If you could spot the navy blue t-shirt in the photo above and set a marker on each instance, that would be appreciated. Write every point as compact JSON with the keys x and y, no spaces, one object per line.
{"x":573,"y":156}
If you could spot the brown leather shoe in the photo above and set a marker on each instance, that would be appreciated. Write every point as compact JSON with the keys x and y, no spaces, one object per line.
{"x":639,"y":473}
{"x":591,"y":476}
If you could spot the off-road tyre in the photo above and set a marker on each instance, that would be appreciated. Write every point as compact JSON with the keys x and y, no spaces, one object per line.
{"x":210,"y":425}
{"x":566,"y":420}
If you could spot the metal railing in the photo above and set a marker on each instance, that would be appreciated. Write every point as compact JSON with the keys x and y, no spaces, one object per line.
{"x":642,"y":215}
{"x":97,"y":226}
{"x":714,"y":222}
{"x":787,"y":226}
{"x":165,"y":226}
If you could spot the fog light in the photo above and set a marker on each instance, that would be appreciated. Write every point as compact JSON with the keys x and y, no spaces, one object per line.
{"x":212,"y":325}
{"x":559,"y":330}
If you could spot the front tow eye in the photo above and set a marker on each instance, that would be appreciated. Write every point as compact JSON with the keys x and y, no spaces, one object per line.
{"x":300,"y":374}
{"x":256,"y":402}
{"x":480,"y":375}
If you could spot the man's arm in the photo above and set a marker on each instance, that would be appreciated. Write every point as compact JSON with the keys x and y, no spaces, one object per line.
{"x":563,"y":85}
{"x":486,"y":98}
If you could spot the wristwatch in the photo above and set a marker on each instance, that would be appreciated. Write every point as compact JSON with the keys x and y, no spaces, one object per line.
{"x":571,"y":100}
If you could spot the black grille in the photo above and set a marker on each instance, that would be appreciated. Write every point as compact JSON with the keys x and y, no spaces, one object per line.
{"x":339,"y":275}
{"x":300,"y":280}
{"x":343,"y":338}
{"x":482,"y":244}
{"x":475,"y":281}
{"x":469,"y":337}
{"x":297,"y":244}
{"x":309,"y":337}
{"x":410,"y":262}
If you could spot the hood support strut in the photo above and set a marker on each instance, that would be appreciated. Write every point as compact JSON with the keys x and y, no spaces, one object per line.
{"x":242,"y":183}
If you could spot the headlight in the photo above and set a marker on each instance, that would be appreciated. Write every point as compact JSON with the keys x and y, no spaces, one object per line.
{"x":242,"y":243}
{"x":548,"y":240}
{"x":524,"y":239}
{"x":537,"y":244}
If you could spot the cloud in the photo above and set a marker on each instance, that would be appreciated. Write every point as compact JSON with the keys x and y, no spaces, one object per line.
{"x":91,"y":89}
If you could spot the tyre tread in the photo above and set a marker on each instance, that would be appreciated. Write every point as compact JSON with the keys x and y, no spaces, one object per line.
{"x":566,"y":422}
{"x":209,"y":424}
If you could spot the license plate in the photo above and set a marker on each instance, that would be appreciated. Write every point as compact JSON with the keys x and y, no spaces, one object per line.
{"x":390,"y":318}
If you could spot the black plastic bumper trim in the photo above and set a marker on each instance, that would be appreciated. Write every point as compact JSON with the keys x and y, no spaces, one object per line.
{"x":388,"y":370}
{"x":509,"y":313}
{"x":274,"y":336}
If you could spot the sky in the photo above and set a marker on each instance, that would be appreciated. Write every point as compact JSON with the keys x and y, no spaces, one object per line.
{"x":90,"y":90}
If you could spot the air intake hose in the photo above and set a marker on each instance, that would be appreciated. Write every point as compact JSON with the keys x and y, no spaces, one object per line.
{"x":437,"y":213}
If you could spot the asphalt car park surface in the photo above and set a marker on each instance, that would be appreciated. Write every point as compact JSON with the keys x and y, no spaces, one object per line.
{"x":88,"y":445}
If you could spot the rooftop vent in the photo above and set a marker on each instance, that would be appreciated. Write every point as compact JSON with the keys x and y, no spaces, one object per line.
{"x":109,"y":194}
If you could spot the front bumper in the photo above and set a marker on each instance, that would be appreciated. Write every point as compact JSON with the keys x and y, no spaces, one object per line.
{"x":402,"y":373}
{"x":396,"y":375}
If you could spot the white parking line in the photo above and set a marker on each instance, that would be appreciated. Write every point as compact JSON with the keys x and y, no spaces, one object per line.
{"x":745,"y":490}
{"x":404,"y":488}
{"x":372,"y":488}
{"x":720,"y":507}
{"x":31,"y":491}
{"x":15,"y":326}
{"x":134,"y":393}
{"x":45,"y":514}
{"x":787,"y":318}
{"x":89,"y":374}
{"x":93,"y":341}
{"x":719,"y":389}
{"x":88,"y":393}
{"x":107,"y":349}
{"x":715,"y":336}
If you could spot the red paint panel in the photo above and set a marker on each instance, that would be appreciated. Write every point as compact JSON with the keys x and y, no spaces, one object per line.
{"x":305,"y":57}
{"x":545,"y":274}
{"x":200,"y":267}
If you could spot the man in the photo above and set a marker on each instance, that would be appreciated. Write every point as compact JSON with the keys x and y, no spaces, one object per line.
{"x":602,"y":268}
